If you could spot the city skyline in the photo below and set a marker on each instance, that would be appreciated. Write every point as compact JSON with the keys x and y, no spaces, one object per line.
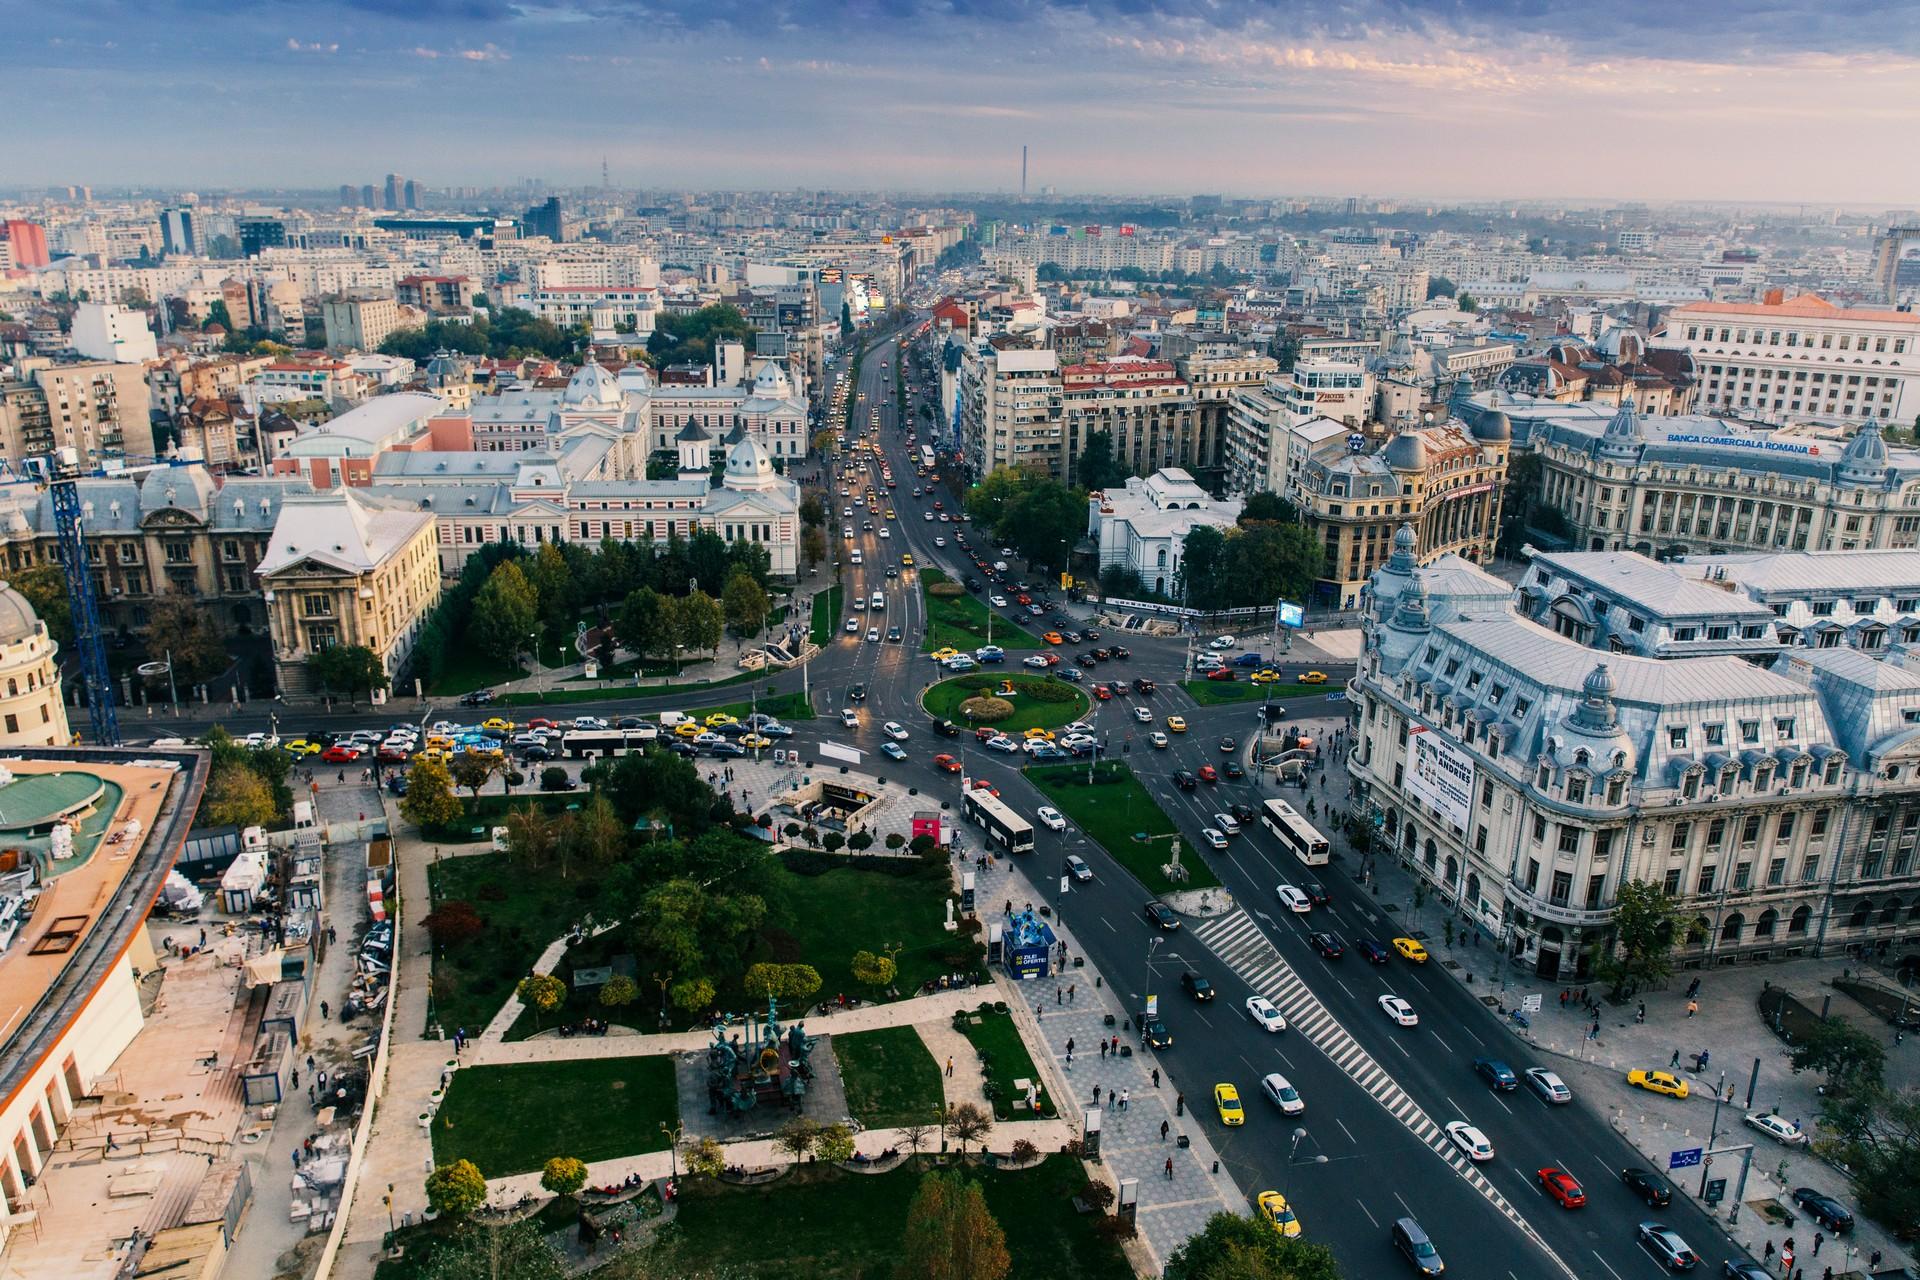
{"x":1461,"y":102}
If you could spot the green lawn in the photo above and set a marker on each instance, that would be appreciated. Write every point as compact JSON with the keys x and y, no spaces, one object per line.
{"x":826,"y":616}
{"x":1112,"y":811}
{"x":479,"y":816}
{"x":1006,"y":1060}
{"x":512,"y":1119}
{"x":469,"y":669}
{"x":849,"y":1225}
{"x":890,"y":1075}
{"x":961,"y":621}
{"x":781,"y":706}
{"x":944,"y":699}
{"x":1212,"y":693}
{"x":522,"y":914}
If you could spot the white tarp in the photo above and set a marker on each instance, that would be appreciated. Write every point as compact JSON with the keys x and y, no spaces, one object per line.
{"x":1440,"y":774}
{"x":247,"y":873}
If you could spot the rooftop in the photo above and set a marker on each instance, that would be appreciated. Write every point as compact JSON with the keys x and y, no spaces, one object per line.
{"x":1817,"y":572}
{"x":1659,"y":588}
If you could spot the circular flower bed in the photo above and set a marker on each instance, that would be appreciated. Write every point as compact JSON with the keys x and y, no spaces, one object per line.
{"x":986,"y":710}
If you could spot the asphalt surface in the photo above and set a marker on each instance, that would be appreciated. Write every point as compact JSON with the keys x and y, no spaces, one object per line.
{"x":1375,"y":1092}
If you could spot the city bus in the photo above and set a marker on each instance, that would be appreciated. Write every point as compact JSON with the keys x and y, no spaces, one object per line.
{"x":926,"y":456}
{"x":1295,"y":832}
{"x":589,"y":744}
{"x":1005,"y":827}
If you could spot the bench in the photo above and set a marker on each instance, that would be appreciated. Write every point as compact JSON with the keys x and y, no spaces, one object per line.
{"x":752,"y":1177}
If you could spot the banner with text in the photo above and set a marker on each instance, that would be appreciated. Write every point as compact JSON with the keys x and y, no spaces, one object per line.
{"x":1440,"y":774}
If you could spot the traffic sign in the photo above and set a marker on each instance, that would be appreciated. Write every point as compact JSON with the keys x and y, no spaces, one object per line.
{"x":1716,"y":1190}
{"x":1530,"y":1004}
{"x":1685,"y":1159}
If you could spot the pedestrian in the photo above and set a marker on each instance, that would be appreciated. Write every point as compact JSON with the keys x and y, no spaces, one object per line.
{"x":1873,"y":1260}
{"x":1693,"y":1007}
{"x":1059,"y":997}
{"x":309,"y":1062}
{"x":1126,"y":1097}
{"x":1766,"y":1255}
{"x":323,"y":1011}
{"x":1674,"y":1065}
{"x":1164,"y":1126}
{"x":296,"y":1077}
{"x":1179,"y":1104}
{"x":949,"y":1068}
{"x":1156,"y":1077}
{"x":1069,"y":1046}
{"x":1786,"y":1259}
{"x":1116,"y":1046}
{"x":1070,"y":990}
{"x":323,"y":1082}
{"x":310,"y":1097}
{"x":1827,"y":1274}
{"x":1109,"y":1099}
{"x":1069,"y":1059}
{"x":1103,"y":1051}
{"x":1641,"y":1014}
{"x":203,"y":935}
{"x":1169,"y":1168}
{"x":333,"y":935}
{"x":1563,"y":999}
{"x":1818,"y":1240}
{"x":308,"y":1146}
{"x":296,"y":1158}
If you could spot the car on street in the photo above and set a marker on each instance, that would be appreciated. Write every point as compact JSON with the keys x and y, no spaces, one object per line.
{"x":1037,"y":660}
{"x":1233,"y":772}
{"x":1143,"y":685}
{"x":946,"y":763}
{"x":1077,"y":867}
{"x":1775,"y":1127}
{"x":1264,"y":1015}
{"x":1161,"y":916}
{"x":1184,"y":780}
{"x":1221,"y":642}
{"x":1226,"y":1100}
{"x":1562,"y":1188}
{"x":1371,"y":950}
{"x":1824,"y":1209}
{"x":1277,"y":1213}
{"x":849,"y":717}
{"x":1498,"y":1075}
{"x":1314,"y":677}
{"x":1051,"y":818}
{"x":1227,"y":824}
{"x":1197,"y":986}
{"x":895,"y":730}
{"x":340,"y":753}
{"x":893,"y":751}
{"x":1743,"y":1269}
{"x":1399,"y":1010}
{"x":1410,"y":1240}
{"x":1666,"y":1246}
{"x":1663,"y":1082}
{"x":873,"y":635}
{"x":303,"y":747}
{"x":1410,"y":949}
{"x":1649,"y":1186}
{"x":1001,"y":742}
{"x":1293,"y":900}
{"x":1209,"y":774}
{"x":853,"y":626}
{"x":1549,"y":1086}
{"x":1282,"y":1094}
{"x":1154,"y":1033}
{"x":1214,"y":839}
{"x":1316,"y":892}
{"x":1053,"y":637}
{"x":1222,"y":674}
{"x":1177,"y":724}
{"x":1143,"y":715}
{"x":1158,"y":739}
{"x":893,"y":637}
{"x":1472,"y":1143}
{"x":1329,"y":944}
{"x":990,"y":653}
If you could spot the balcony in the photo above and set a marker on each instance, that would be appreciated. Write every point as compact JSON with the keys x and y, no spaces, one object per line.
{"x":1557,"y":912}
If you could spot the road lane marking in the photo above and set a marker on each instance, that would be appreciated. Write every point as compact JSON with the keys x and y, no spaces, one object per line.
{"x":1443,"y":1043}
{"x":1603,"y":1262}
{"x":1370,"y":1218}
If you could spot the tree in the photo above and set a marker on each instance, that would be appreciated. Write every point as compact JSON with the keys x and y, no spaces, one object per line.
{"x":1235,"y":1247}
{"x":967,"y":1122}
{"x":217,"y":313}
{"x":593,"y":835}
{"x":45,"y":587}
{"x":873,"y":970}
{"x":797,"y":1136}
{"x":1201,"y":557}
{"x":680,"y":338}
{"x":813,"y":545}
{"x":619,"y":991}
{"x":1466,"y":303}
{"x":812,"y":510}
{"x":1440,"y":287}
{"x":348,"y":668}
{"x":1098,"y":467}
{"x":1268,"y":506}
{"x":916,"y":1134}
{"x":782,"y":981}
{"x":643,"y":625}
{"x":1043,"y":523}
{"x":179,"y":630}
{"x":236,"y":796}
{"x":690,"y":995}
{"x":1850,"y":1058}
{"x":504,"y":613}
{"x":454,"y":922}
{"x":553,"y":587}
{"x":951,"y":1234}
{"x":834,"y":1144}
{"x":471,"y":770}
{"x":456,"y":1189}
{"x":429,"y":801}
{"x":697,"y":622}
{"x":541,"y":992}
{"x":1265,"y":562}
{"x":746,"y":605}
{"x":532,"y":839}
{"x":1879,"y":1145}
{"x":564,"y":1175}
{"x":494,"y":1251}
{"x":989,"y":501}
{"x":1643,"y":936}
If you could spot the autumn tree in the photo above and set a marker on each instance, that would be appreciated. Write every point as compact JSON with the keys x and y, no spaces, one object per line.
{"x":532,"y":838}
{"x":541,"y":992}
{"x":183,"y":633}
{"x":564,"y":1175}
{"x":429,"y":801}
{"x":1233,"y":1246}
{"x":456,"y":1189}
{"x":797,"y":1136}
{"x":835,"y":1144}
{"x":454,"y":922}
{"x":619,"y":991}
{"x":236,"y":796}
{"x":967,"y":1122}
{"x":471,"y":769}
{"x":704,"y":1156}
{"x":873,"y":970}
{"x":951,"y":1234}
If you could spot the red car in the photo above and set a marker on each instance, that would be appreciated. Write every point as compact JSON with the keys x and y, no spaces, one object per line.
{"x":1221,"y":673}
{"x":985,"y":735}
{"x":1209,"y":774}
{"x":541,"y":724}
{"x":391,"y":755}
{"x":341,"y":754}
{"x":1101,"y":692}
{"x":1563,"y":1187}
{"x":981,"y":784}
{"x":1053,"y":659}
{"x":946,"y":763}
{"x":1023,"y":599}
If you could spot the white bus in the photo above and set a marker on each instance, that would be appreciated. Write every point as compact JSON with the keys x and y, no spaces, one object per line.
{"x":588,"y":744}
{"x":1295,"y":832}
{"x":1005,"y":827}
{"x":926,"y":456}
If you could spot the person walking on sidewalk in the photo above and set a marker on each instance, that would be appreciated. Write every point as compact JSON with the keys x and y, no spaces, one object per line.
{"x":1164,"y":1126}
{"x":1169,"y":1168}
{"x":949,"y":1068}
{"x":1693,"y":1007}
{"x":1674,"y":1065}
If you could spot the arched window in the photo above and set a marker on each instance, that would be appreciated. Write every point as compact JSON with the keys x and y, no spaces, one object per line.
{"x":1732,"y":927}
{"x":1433,"y":854}
{"x":1798,"y":922}
{"x":1453,"y":869}
{"x":1861,"y":910}
{"x":1764,"y":926}
{"x":13,"y":687}
{"x":1890,"y":914}
{"x":1473,"y":889}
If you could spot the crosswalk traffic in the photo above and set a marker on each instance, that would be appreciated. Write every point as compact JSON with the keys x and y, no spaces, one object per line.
{"x":1240,"y":944}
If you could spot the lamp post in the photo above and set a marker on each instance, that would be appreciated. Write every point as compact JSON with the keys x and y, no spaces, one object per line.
{"x":533,"y":641}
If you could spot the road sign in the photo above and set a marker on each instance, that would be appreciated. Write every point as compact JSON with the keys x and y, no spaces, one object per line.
{"x":1530,"y":1004}
{"x":1684,"y":1159}
{"x":1716,"y":1190}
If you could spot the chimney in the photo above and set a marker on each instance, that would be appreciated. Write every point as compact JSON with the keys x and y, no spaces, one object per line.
{"x":1774,"y":297}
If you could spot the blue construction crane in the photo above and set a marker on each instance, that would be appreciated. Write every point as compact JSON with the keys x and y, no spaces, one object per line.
{"x":65,"y":492}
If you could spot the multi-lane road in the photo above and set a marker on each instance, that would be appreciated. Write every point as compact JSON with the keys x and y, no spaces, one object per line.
{"x":1377,"y":1095}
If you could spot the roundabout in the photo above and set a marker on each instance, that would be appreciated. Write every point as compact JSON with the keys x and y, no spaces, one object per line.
{"x":1034,"y":702}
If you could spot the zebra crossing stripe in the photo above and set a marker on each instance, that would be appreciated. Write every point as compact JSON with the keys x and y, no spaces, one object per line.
{"x":1238,"y":941}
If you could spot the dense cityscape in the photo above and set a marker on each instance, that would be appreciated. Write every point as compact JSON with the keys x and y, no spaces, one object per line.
{"x":489,"y":661}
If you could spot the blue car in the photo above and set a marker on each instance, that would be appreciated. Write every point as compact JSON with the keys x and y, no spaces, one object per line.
{"x":1075,"y":674}
{"x":1249,"y":660}
{"x":1498,"y":1075}
{"x":1042,"y":755}
{"x":1371,"y":949}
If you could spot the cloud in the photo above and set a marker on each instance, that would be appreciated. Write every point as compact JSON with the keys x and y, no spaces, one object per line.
{"x":294,"y":46}
{"x":486,"y":53}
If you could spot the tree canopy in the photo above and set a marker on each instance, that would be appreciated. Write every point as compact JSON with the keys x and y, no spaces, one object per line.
{"x":1235,"y":1247}
{"x":507,"y":334}
{"x":1099,"y":469}
{"x":689,"y":338}
{"x":951,"y":1234}
{"x":1643,"y":936}
{"x":1255,"y":564}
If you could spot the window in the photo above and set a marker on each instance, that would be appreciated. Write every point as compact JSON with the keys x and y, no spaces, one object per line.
{"x":1533,"y":874}
{"x":1705,"y":883}
{"x":1750,"y":830}
{"x":1818,"y":830}
{"x":1577,"y":788}
{"x":1810,"y":869}
{"x":1716,"y":833}
{"x":1616,"y":788}
{"x":1486,"y":792}
{"x":1602,"y":844}
{"x":1677,"y":737}
{"x":1672,"y":884}
{"x":1480,"y":840}
{"x":1783,"y":728}
{"x":1749,"y":731}
{"x":1569,"y":839}
{"x":1539,"y":827}
{"x":1742,"y":876}
{"x":1784,"y":829}
{"x":1681,"y":830}
{"x":1562,"y":886}
{"x":1596,"y":888}
{"x":1716,"y":734}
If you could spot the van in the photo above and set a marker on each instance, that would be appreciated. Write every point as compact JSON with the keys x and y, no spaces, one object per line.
{"x":673,"y":719}
{"x":853,"y":557}
{"x":879,"y":600}
{"x":1412,"y":1242}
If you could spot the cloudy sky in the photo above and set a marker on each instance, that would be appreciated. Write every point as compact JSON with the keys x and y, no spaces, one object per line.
{"x":1794,"y":100}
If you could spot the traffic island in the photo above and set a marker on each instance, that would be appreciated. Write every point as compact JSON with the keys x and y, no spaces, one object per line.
{"x":1118,"y":814}
{"x":1010,"y":703}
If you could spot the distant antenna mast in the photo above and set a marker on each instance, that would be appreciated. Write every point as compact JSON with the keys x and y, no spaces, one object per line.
{"x":605,"y":180}
{"x":1023,"y":169}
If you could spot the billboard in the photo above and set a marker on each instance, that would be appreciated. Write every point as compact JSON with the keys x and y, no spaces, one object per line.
{"x":1439,"y":774}
{"x":1292,"y":615}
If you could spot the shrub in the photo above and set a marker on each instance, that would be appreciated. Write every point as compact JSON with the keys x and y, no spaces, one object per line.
{"x":895,"y":840}
{"x":456,"y":1189}
{"x":833,"y":841}
{"x":1049,"y":691}
{"x":1096,"y":1193}
{"x":454,"y":922}
{"x":563,"y":1175}
{"x":945,"y":590}
{"x":1023,"y":1151}
{"x":985,"y":710}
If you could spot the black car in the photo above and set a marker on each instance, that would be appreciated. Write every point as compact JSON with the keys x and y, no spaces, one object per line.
{"x":1371,"y":949}
{"x":1316,"y":892}
{"x":1233,"y":770}
{"x":726,"y":749}
{"x":1417,"y":1248}
{"x":858,"y":693}
{"x":1120,"y":651}
{"x":1229,"y":745}
{"x":973,"y":584}
{"x":1329,"y":945}
{"x":1196,"y":986}
{"x":1824,"y":1209}
{"x":1142,"y":685}
{"x":1649,"y":1186}
{"x":1161,"y":916}
{"x":893,"y":635}
{"x":735,"y":730}
{"x":628,"y":722}
{"x":537,"y":753}
{"x":1242,"y":813}
{"x":1184,"y":780}
{"x":682,"y":747}
{"x":1086,"y":660}
{"x":946,"y":728}
{"x":1155,"y":1033}
{"x":1498,"y":1075}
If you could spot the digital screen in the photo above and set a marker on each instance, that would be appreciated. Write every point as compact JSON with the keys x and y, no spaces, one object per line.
{"x":1292,"y":615}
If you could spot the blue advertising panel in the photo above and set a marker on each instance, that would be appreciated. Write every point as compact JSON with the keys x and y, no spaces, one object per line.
{"x":1292,"y":615}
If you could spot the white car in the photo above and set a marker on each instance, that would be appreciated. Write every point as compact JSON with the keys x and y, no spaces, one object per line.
{"x":939,"y":542}
{"x":1078,"y":727}
{"x":1143,"y":715}
{"x":1036,"y":661}
{"x":895,"y":730}
{"x":928,"y":517}
{"x":847,"y":533}
{"x":1158,"y":739}
{"x":1051,"y":818}
{"x":1226,"y":823}
{"x":1472,"y":1143}
{"x":886,"y":533}
{"x":873,"y":635}
{"x":1294,"y":899}
{"x":1785,"y":1131}
{"x":1399,"y":1010}
{"x":1282,"y":1094}
{"x":1077,"y":867}
{"x":853,"y":626}
{"x":261,"y":740}
{"x":1221,"y":642}
{"x":990,"y":651}
{"x":1003,"y":743}
{"x":1549,"y":1086}
{"x":998,"y":602}
{"x":1213,"y":838}
{"x":589,"y":722}
{"x":849,"y":717}
{"x":960,"y":662}
{"x":1075,"y":741}
{"x":1264,"y":1015}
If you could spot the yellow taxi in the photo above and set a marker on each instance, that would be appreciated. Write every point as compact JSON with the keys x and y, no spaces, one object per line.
{"x":719,"y":718}
{"x":1275,"y":1210}
{"x":890,"y":514}
{"x":302,"y":747}
{"x":1266,"y":675}
{"x":1054,"y":637}
{"x":687,"y":729}
{"x":439,"y":742}
{"x":907,"y":560}
{"x":1314,"y":677}
{"x":491,"y":753}
{"x":497,"y":723}
{"x":941,"y":655}
{"x":1658,"y":1082}
{"x":1043,"y":735}
{"x":433,"y":753}
{"x":1410,"y":949}
{"x":1177,"y":723}
{"x":754,"y":741}
{"x":1226,"y":1099}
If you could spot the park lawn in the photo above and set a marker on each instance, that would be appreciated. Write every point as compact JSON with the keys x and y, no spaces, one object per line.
{"x":1111,"y":811}
{"x":998,"y":1040}
{"x":960,"y":622}
{"x":469,"y":669}
{"x":942,"y":702}
{"x":523,"y":913}
{"x":849,"y":1225}
{"x":826,"y":616}
{"x":890,"y":1077}
{"x":514,"y":1118}
{"x":478,"y":816}
{"x":1213,"y":693}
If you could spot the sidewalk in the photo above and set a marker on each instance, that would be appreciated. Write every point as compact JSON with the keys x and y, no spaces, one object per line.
{"x":1727,"y":1026}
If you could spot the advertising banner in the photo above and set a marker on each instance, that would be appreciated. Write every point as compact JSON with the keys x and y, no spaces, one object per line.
{"x":1440,"y":774}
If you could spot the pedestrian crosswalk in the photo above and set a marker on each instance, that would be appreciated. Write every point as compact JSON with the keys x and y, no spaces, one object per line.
{"x":1238,"y":941}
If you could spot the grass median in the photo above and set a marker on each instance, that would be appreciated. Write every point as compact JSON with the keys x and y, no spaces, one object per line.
{"x":1116,"y":809}
{"x":1038,"y":703}
{"x":1213,"y":693}
{"x":826,"y":616}
{"x":960,"y":621}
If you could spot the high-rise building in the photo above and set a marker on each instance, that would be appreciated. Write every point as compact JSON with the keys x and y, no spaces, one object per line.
{"x":259,"y":231}
{"x":346,"y":195}
{"x":358,"y":324}
{"x":1896,"y":265}
{"x":547,"y":220}
{"x":393,"y":192}
{"x":366,"y":196}
{"x":29,"y":241}
{"x":109,"y":331}
{"x":412,"y":193}
{"x":92,"y":406}
{"x":179,"y":233}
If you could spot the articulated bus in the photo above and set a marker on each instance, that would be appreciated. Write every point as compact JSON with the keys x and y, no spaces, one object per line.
{"x":1006,"y":828}
{"x":1295,"y":832}
{"x":588,"y":744}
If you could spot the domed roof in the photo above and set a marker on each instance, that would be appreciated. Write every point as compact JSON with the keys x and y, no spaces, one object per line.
{"x":184,"y":488}
{"x":1595,"y":712}
{"x":1493,"y":427}
{"x":1866,"y":457}
{"x":1407,"y":452}
{"x":772,"y":382}
{"x":18,"y":621}
{"x":749,"y":467}
{"x":592,"y":387}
